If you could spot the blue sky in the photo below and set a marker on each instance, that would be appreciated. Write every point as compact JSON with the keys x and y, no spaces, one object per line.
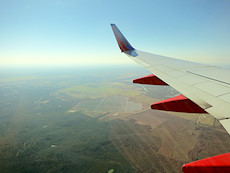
{"x":77,"y":32}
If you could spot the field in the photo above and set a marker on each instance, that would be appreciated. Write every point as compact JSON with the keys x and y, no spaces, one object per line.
{"x":114,"y":103}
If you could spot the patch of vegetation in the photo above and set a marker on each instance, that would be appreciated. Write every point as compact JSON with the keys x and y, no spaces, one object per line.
{"x":38,"y":137}
{"x":85,"y":91}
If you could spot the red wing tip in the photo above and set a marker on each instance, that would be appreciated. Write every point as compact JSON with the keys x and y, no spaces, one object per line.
{"x":124,"y":45}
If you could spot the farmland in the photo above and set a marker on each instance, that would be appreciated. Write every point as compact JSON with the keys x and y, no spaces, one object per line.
{"x":60,"y":122}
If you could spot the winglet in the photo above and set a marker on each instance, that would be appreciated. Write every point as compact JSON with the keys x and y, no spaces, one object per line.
{"x":121,"y":40}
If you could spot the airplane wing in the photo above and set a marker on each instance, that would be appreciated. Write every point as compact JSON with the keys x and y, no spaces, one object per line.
{"x":203,"y":88}
{"x":206,"y":86}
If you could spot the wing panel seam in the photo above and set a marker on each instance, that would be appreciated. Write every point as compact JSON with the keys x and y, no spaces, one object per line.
{"x":208,"y":78}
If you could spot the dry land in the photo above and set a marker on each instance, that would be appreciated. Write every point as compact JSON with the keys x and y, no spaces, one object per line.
{"x":87,"y":123}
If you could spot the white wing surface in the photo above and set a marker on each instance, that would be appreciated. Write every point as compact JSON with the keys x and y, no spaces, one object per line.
{"x":206,"y":86}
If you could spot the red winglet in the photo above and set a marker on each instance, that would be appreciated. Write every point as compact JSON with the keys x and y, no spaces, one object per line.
{"x":150,"y":79}
{"x":217,"y":164}
{"x":178,"y":104}
{"x":121,"y":40}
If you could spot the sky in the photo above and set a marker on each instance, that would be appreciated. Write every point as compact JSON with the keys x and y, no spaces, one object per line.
{"x":78,"y":32}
